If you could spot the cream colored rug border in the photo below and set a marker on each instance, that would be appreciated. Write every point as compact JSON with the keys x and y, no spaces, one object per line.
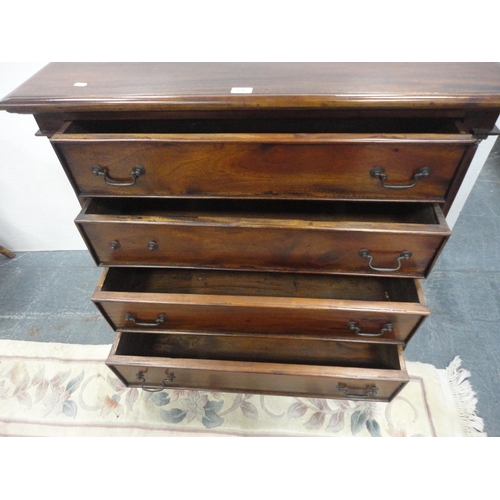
{"x":436,"y":403}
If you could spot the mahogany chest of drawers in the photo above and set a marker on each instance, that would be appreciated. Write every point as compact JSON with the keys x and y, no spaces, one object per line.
{"x":263,"y":227}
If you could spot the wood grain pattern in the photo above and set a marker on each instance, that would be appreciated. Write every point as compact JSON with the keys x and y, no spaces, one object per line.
{"x":269,"y":241}
{"x":257,"y":377}
{"x":260,"y":348}
{"x":236,"y":252}
{"x":157,"y":86}
{"x":266,"y":303}
{"x":335,"y":166}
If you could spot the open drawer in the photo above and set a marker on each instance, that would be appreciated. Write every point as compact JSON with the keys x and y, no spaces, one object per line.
{"x":259,"y":364}
{"x":375,"y":238}
{"x":324,"y":306}
{"x":351,"y":158}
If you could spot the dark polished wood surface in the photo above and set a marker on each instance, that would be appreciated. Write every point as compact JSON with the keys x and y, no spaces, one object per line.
{"x":329,"y":166}
{"x":153,"y":369}
{"x":156,"y":86}
{"x":232,"y":209}
{"x":270,"y":241}
{"x":310,"y":306}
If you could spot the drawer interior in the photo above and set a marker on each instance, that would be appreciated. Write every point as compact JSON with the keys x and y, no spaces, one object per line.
{"x":310,"y":210}
{"x":258,"y":348}
{"x":408,"y":125}
{"x":243,"y":283}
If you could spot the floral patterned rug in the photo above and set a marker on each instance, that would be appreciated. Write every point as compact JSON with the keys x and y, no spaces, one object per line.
{"x":66,"y":390}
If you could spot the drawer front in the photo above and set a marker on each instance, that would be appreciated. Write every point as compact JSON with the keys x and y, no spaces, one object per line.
{"x":286,"y":319}
{"x":370,"y":309}
{"x":140,"y":367}
{"x":287,"y":166}
{"x":345,"y":251}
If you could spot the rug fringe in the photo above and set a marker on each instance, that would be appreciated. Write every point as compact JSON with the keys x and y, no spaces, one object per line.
{"x":465,"y":399}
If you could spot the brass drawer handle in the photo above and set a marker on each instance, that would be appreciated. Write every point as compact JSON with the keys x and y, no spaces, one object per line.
{"x":357,"y":330}
{"x":369,"y":391}
{"x":365,"y":253}
{"x":140,"y":377}
{"x":379,"y":172}
{"x":137,"y":171}
{"x":157,"y":322}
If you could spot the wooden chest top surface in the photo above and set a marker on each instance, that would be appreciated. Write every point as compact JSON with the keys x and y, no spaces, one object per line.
{"x":162,"y":86}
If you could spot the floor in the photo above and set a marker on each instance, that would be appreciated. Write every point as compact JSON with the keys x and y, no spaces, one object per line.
{"x":44,"y":297}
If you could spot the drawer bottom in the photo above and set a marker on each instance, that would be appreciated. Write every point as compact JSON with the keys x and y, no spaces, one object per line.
{"x":259,"y":364}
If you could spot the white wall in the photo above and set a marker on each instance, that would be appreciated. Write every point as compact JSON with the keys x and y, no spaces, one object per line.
{"x":37,"y":202}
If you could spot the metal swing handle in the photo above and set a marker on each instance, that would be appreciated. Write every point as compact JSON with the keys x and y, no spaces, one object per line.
{"x":365,"y":253}
{"x":357,"y":330}
{"x":158,"y":321}
{"x":378,"y":172}
{"x":137,"y":171}
{"x":140,"y":377}
{"x":368,"y":391}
